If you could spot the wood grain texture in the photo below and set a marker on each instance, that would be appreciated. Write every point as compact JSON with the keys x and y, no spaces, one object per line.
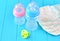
{"x":10,"y":28}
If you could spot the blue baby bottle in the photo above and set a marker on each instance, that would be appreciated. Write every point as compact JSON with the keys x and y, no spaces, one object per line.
{"x":32,"y":11}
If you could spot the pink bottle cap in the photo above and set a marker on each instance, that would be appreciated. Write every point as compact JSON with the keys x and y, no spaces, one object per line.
{"x":19,"y":10}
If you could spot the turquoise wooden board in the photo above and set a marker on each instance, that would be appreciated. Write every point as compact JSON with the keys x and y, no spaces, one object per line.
{"x":9,"y":30}
{"x":2,"y":14}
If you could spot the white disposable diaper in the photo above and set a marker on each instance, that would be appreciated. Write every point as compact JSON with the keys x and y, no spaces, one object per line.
{"x":49,"y":19}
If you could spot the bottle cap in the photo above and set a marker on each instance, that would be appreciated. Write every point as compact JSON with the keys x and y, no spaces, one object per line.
{"x":19,"y":10}
{"x":32,"y":10}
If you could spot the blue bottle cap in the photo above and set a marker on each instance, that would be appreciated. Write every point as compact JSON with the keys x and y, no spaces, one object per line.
{"x":32,"y":10}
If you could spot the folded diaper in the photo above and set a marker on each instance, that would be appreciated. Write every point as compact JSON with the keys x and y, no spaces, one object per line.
{"x":49,"y":19}
{"x":57,"y":6}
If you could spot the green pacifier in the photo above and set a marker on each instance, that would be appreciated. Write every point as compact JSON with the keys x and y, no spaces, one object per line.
{"x":25,"y":34}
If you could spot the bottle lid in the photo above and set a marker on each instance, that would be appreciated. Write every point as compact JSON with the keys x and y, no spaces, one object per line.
{"x":19,"y":10}
{"x":32,"y":10}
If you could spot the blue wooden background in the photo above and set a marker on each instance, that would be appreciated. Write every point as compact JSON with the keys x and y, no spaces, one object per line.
{"x":8,"y":28}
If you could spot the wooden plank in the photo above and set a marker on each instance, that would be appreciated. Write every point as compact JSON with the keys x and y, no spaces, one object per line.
{"x":2,"y":14}
{"x":9,"y":27}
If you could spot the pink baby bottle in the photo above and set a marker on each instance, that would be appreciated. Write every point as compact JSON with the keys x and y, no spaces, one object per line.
{"x":19,"y":13}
